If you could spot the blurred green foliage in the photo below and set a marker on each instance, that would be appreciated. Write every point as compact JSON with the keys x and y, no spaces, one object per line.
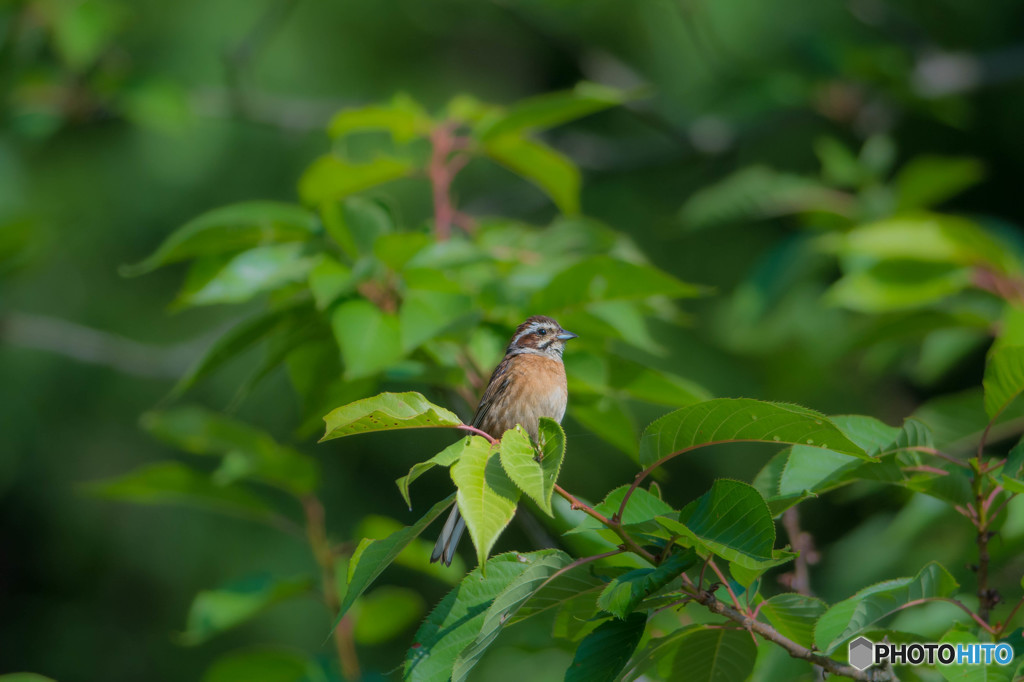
{"x":842,"y":178}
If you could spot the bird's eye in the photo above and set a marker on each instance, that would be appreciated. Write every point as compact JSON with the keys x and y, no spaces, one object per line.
{"x":542,"y":332}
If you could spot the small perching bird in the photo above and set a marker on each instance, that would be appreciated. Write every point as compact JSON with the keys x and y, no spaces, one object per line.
{"x":527,"y":385}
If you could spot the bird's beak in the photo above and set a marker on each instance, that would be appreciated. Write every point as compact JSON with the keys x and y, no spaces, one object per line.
{"x":565,"y":336}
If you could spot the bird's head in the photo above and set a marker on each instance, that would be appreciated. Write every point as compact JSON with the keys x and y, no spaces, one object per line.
{"x":539,"y":335}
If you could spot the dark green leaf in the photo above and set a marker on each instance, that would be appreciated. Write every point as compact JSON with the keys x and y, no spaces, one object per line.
{"x":929,"y":180}
{"x":794,"y":616}
{"x":248,"y":452}
{"x":237,"y":278}
{"x":555,"y":174}
{"x":373,"y":556}
{"x":853,"y":616}
{"x":229,"y":229}
{"x":741,"y":419}
{"x":385,"y":613}
{"x":697,"y":654}
{"x":387,"y":412}
{"x":265,"y":665}
{"x":214,"y":611}
{"x":603,"y":654}
{"x":623,"y":594}
{"x":487,"y":498}
{"x":548,"y":111}
{"x":174,"y":483}
{"x":608,"y":418}
{"x":330,"y":177}
{"x":1004,"y":379}
{"x":542,"y":566}
{"x":457,"y":619}
{"x":415,"y":556}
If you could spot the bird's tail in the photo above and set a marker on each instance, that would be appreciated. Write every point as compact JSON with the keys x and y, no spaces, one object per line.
{"x":444,"y":550}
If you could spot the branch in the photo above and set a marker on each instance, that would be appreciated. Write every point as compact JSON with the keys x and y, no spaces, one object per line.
{"x":807,"y":555}
{"x":628,"y":541}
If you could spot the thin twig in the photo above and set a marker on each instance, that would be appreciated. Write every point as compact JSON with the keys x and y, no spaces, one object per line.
{"x":802,"y":542}
{"x":628,"y":541}
{"x":726,"y":584}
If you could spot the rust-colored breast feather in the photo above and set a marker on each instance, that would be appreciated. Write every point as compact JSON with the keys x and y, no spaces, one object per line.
{"x":523,"y":389}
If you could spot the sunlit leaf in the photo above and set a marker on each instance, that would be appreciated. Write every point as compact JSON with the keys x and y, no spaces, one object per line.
{"x":329,"y":280}
{"x":542,"y":565}
{"x":898,"y":285}
{"x":370,"y":339}
{"x":547,"y":111}
{"x":402,"y":117}
{"x":555,"y":174}
{"x":603,"y":653}
{"x":741,"y":419}
{"x":214,"y":611}
{"x":229,"y":229}
{"x":446,"y":457}
{"x":852,"y":616}
{"x":487,"y":498}
{"x":386,"y":412}
{"x":535,"y":476}
{"x":331,"y":177}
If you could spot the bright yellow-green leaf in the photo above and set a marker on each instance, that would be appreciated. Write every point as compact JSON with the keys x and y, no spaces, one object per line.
{"x":331,"y":177}
{"x":487,"y":498}
{"x":387,"y":412}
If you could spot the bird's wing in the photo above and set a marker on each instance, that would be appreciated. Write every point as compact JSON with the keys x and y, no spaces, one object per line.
{"x":495,"y":388}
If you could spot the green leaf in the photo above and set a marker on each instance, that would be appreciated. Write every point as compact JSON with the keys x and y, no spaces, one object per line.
{"x":898,"y":285}
{"x":1004,"y":379}
{"x":330,"y":177}
{"x":403,"y":118}
{"x":543,"y":565}
{"x":214,"y":611}
{"x":387,"y":412}
{"x":238,"y":278}
{"x":743,"y":420}
{"x":732,"y":521}
{"x":550,"y":110}
{"x":248,"y":452}
{"x":608,"y":374}
{"x":929,"y":180}
{"x":850,"y":617}
{"x":174,"y":483}
{"x":457,"y":619}
{"x":608,"y":418}
{"x":534,"y":476}
{"x":603,"y":653}
{"x":233,"y":343}
{"x":487,"y":498}
{"x":929,"y":237}
{"x":329,"y":280}
{"x":415,"y":556}
{"x":265,"y":665}
{"x":555,"y":174}
{"x":373,"y":556}
{"x":385,"y":613}
{"x":603,"y":278}
{"x":370,"y":339}
{"x":697,"y":654}
{"x":643,"y":506}
{"x":25,"y":677}
{"x":229,"y":229}
{"x":794,"y":616}
{"x":623,"y":594}
{"x":759,"y":192}
{"x":446,"y":458}
{"x":561,"y":589}
{"x":424,"y":315}
{"x":356,"y":224}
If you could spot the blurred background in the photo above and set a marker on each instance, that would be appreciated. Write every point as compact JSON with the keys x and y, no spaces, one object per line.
{"x":754,"y":124}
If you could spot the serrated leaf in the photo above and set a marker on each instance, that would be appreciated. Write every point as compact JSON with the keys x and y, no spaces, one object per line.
{"x":697,"y":654}
{"x":387,"y":412}
{"x":174,"y":483}
{"x":370,"y":339}
{"x":603,"y":278}
{"x":373,"y":556}
{"x":457,"y":619}
{"x":794,"y":616}
{"x":741,"y":419}
{"x":487,"y":498}
{"x":1004,"y":379}
{"x":623,"y":594}
{"x":248,"y":452}
{"x":238,"y":278}
{"x":446,"y":457}
{"x":503,"y":609}
{"x":549,"y":110}
{"x":560,"y":589}
{"x":978,"y":672}
{"x":214,"y":611}
{"x":603,"y":653}
{"x":855,"y":615}
{"x":554,"y":173}
{"x":732,"y":521}
{"x":330,"y":177}
{"x":228,"y":229}
{"x":534,"y":475}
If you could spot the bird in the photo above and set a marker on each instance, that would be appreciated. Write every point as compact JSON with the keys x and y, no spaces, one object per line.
{"x":528,"y":384}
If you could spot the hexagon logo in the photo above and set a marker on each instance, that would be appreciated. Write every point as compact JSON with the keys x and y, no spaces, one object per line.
{"x":861,"y":653}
